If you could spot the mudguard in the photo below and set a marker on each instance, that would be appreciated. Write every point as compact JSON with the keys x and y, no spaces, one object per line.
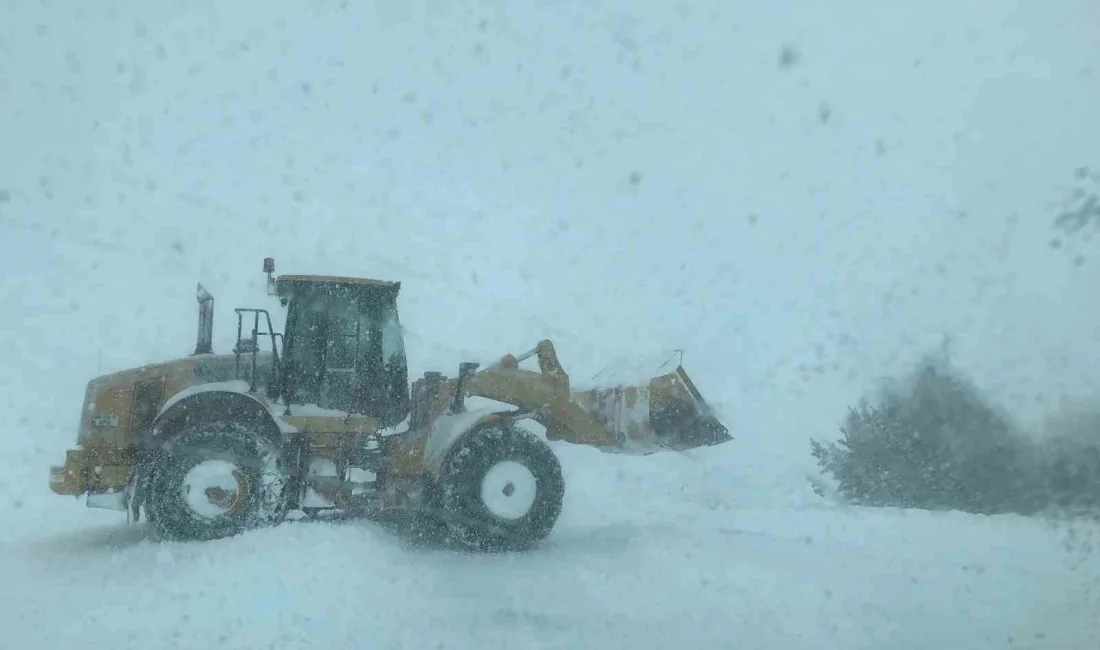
{"x":215,"y":401}
{"x":448,"y":430}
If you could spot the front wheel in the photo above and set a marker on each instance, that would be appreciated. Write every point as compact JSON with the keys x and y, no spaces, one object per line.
{"x":501,"y":488}
{"x":215,"y":480}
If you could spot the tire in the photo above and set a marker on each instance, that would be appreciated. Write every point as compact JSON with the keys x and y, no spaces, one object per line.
{"x":501,"y":489}
{"x":244,"y":475}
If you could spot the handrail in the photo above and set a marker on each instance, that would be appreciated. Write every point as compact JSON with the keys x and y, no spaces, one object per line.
{"x":256,"y":334}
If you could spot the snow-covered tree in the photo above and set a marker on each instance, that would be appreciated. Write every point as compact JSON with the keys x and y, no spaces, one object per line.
{"x":1071,"y":460}
{"x":932,"y":442}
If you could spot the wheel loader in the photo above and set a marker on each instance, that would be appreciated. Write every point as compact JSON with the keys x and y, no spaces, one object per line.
{"x":322,"y":417}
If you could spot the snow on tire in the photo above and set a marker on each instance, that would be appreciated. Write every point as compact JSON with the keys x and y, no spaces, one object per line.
{"x":501,"y":489}
{"x":216,"y":480}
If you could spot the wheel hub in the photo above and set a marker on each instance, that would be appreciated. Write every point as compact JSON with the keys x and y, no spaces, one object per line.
{"x":214,"y":488}
{"x":509,"y":489}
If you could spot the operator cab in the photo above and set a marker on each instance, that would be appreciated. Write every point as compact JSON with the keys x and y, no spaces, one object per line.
{"x":343,"y":348}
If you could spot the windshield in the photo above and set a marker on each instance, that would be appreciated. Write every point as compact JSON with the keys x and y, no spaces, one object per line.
{"x":343,"y":351}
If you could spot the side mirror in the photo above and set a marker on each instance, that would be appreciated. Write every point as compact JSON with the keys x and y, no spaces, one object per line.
{"x":269,"y":268}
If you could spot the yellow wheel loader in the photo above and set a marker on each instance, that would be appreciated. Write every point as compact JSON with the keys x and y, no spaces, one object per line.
{"x":322,"y":417}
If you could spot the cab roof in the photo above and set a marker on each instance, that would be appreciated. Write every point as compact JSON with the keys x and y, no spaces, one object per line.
{"x":333,"y":279}
{"x":291,"y":284}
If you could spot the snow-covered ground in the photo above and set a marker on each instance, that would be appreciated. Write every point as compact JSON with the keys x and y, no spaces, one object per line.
{"x":658,"y":552}
{"x":804,"y":196}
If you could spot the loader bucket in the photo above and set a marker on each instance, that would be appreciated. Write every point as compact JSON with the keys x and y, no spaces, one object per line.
{"x":667,"y":412}
{"x":631,"y":408}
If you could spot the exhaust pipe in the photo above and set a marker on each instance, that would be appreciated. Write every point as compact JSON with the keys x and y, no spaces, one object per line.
{"x":205,"y":344}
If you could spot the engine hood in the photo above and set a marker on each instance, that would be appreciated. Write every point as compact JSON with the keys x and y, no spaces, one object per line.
{"x":121,"y":404}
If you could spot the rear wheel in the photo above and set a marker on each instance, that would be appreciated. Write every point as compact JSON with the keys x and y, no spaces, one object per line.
{"x":501,"y":488}
{"x":215,"y":480}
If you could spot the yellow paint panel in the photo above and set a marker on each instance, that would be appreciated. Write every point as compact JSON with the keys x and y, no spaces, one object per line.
{"x":114,"y":401}
{"x":406,"y":457}
{"x":108,"y":477}
{"x":355,"y":424}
